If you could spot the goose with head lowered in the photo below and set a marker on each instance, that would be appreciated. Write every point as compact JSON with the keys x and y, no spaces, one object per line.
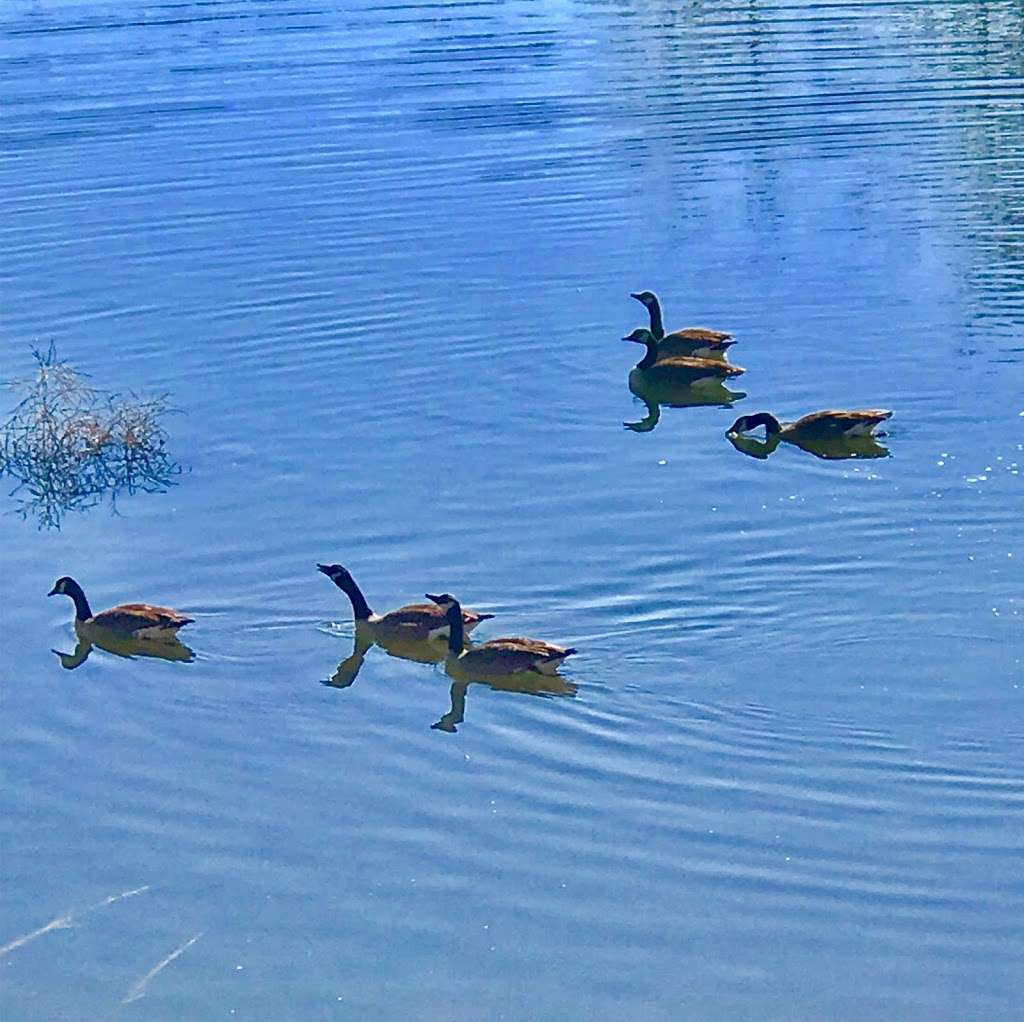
{"x":496,"y":656}
{"x":676,"y":368}
{"x":127,"y":620}
{"x":692,"y":341}
{"x":416,"y":621}
{"x":825,"y":425}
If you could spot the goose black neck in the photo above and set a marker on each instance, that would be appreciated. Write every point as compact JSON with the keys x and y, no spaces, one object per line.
{"x":657,"y":327}
{"x":652,"y":354}
{"x":360,"y":608}
{"x":82,"y":609}
{"x":766,"y":419}
{"x":456,"y":631}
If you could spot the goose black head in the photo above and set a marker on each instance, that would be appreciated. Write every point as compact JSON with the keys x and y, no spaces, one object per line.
{"x":647,"y":298}
{"x":334,"y":571}
{"x":641,"y":335}
{"x":444,"y":600}
{"x":745,"y":423}
{"x":62,"y":585}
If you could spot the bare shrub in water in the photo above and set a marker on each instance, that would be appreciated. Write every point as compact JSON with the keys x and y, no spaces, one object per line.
{"x":69,"y":445}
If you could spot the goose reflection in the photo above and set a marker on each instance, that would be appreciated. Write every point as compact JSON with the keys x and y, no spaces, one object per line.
{"x":130,"y":649}
{"x":527,"y":684}
{"x":435,"y":651}
{"x":656,"y":394}
{"x":420,"y":651}
{"x":829,"y":450}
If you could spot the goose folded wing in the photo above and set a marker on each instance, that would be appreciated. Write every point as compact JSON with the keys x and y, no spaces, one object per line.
{"x":133,"y":616}
{"x":533,"y":647}
{"x":843,"y":421}
{"x":415,"y":615}
{"x":696,"y":368}
{"x":697,"y":333}
{"x":427,"y":615}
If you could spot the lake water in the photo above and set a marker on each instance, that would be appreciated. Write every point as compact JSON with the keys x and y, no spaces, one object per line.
{"x":379,"y":255}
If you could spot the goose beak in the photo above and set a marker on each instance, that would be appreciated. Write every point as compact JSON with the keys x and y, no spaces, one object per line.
{"x":630,"y":339}
{"x":636,"y":295}
{"x":52,"y":592}
{"x":433,"y":598}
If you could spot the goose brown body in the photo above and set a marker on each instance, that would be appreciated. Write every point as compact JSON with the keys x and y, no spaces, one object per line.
{"x":691,"y":369}
{"x":421,"y":620}
{"x":692,"y":347}
{"x":508,"y":655}
{"x":130,"y":620}
{"x":697,"y":333}
{"x":416,"y":622}
{"x":513,"y":654}
{"x":656,"y":366}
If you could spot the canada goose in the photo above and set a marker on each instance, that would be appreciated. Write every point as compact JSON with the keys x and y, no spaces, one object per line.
{"x":693,"y":341}
{"x":677,"y":368}
{"x":826,"y":425}
{"x":496,"y":656}
{"x":417,"y":621}
{"x":134,"y":620}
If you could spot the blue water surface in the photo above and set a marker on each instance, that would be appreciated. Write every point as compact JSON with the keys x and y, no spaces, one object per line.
{"x":379,"y":256}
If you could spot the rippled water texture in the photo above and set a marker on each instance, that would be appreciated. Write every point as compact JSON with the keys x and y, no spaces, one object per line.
{"x":379,"y":257}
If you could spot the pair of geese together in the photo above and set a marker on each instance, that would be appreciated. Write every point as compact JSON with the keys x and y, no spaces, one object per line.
{"x":416,"y":633}
{"x":442,"y":618}
{"x":696,"y":355}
